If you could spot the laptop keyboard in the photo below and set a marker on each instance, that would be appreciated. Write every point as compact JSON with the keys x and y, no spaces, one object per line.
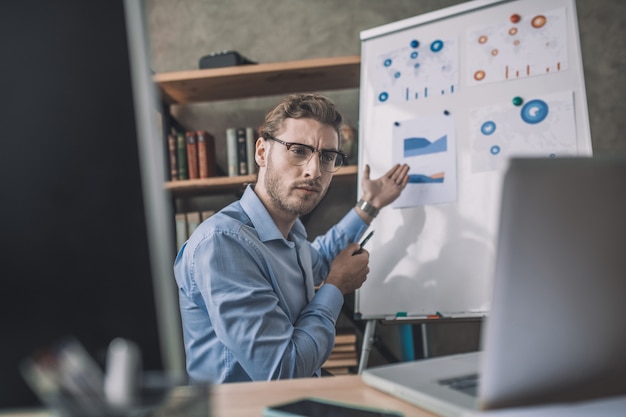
{"x":467,"y":384}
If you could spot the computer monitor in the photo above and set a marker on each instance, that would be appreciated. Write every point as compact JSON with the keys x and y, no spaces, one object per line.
{"x":86,"y":226}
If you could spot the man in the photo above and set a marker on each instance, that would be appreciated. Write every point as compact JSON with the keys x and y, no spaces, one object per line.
{"x":247,"y":275}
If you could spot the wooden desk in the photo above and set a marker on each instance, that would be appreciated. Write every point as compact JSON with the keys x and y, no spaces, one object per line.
{"x":247,"y":399}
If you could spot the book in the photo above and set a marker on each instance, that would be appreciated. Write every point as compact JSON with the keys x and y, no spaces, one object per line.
{"x":181,"y":229}
{"x":206,"y":154}
{"x":171,"y":149}
{"x":242,"y":151}
{"x":345,"y":339}
{"x":231,"y":151}
{"x":192,"y":155}
{"x":181,"y":156}
{"x":336,"y":363}
{"x":193,"y":221}
{"x":251,"y":149}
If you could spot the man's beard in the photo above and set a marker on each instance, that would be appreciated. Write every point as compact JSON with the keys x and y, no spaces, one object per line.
{"x":280,"y":194}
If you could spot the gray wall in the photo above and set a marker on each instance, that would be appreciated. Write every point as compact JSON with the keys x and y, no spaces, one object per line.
{"x":182,"y":31}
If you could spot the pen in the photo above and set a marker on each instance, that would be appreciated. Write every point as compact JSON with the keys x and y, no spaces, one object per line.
{"x":363,"y":242}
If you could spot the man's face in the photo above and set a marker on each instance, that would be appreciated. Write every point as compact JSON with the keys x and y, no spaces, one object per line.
{"x":296,"y":190}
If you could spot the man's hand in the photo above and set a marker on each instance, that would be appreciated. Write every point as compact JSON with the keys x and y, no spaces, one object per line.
{"x":386,"y":189}
{"x":349,"y":272}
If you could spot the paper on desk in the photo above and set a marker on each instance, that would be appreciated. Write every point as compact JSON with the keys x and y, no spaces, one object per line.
{"x":606,"y":407}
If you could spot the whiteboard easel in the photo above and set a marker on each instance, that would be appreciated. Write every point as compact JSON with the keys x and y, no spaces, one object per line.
{"x":434,"y":250}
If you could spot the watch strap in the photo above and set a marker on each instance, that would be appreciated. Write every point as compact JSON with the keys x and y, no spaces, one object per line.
{"x":367,"y":208}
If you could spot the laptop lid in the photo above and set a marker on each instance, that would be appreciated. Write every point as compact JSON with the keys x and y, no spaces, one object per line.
{"x":555,"y":330}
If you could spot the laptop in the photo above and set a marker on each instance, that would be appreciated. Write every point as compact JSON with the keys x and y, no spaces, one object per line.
{"x":555,"y":331}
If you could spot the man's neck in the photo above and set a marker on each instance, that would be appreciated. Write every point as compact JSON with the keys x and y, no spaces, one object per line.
{"x":284,"y":221}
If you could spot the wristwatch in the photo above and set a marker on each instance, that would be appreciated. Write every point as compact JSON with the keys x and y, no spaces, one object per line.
{"x":367,"y":208}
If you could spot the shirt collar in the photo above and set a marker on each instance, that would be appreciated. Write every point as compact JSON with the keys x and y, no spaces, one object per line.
{"x":262,"y":221}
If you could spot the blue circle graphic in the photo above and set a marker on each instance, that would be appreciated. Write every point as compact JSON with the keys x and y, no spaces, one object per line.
{"x":488,"y":128}
{"x":383,"y":96}
{"x":387,"y":62}
{"x":436,"y":46}
{"x":397,"y":74}
{"x":535,"y":111}
{"x":495,"y":149}
{"x":415,"y":43}
{"x":414,"y":54}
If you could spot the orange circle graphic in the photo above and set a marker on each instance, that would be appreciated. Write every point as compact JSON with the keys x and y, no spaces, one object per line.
{"x":479,"y":75}
{"x":482,"y":39}
{"x":538,"y":21}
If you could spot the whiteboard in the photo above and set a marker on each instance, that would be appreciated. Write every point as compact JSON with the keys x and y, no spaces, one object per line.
{"x":455,"y":93}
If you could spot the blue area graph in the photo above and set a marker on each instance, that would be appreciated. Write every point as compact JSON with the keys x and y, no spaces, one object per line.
{"x":425,"y":179}
{"x":422,"y":146}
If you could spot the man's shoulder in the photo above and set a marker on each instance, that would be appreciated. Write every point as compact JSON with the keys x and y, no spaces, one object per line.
{"x":230,"y":219}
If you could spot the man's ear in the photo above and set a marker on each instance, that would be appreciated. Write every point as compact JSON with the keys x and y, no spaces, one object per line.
{"x":260,"y":155}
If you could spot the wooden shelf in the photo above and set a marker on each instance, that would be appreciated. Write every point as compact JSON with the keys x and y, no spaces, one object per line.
{"x":258,"y":80}
{"x":236,"y":185}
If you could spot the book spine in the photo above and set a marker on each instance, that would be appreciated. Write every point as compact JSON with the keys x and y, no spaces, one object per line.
{"x":171,"y":147}
{"x":251,"y":149}
{"x":193,"y":221}
{"x":242,"y":151}
{"x":211,"y":155}
{"x":192,"y":155}
{"x":203,"y":162}
{"x":181,"y":154}
{"x":231,"y":149}
{"x":181,"y":229}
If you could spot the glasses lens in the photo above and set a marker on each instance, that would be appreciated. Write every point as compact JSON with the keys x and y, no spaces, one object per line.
{"x":298,"y":154}
{"x":331,"y":161}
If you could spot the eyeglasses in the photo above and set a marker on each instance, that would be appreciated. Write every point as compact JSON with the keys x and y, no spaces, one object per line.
{"x":299,"y":154}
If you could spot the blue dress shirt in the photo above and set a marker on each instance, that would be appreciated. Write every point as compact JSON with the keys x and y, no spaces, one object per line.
{"x":247,"y":295}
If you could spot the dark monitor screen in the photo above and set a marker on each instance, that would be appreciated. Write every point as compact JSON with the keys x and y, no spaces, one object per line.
{"x":75,"y":220}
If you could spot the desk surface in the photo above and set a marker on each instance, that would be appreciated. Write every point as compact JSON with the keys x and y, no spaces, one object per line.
{"x":247,"y":399}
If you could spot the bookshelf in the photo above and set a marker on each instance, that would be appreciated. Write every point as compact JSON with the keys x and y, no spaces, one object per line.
{"x":277,"y":78}
{"x":319,"y":74}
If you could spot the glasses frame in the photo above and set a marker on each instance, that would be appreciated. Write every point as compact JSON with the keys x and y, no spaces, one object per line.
{"x":340,"y":155}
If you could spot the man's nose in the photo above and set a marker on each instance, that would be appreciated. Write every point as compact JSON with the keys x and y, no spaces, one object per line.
{"x":314,"y":164}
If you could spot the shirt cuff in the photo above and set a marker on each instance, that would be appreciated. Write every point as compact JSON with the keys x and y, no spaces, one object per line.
{"x":331,"y":297}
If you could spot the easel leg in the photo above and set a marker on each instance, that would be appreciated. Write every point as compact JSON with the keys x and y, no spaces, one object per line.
{"x":368,"y":340}
{"x":425,"y":340}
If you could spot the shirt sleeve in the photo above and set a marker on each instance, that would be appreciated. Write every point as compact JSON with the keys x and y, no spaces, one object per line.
{"x":327,"y":246}
{"x":249,"y":317}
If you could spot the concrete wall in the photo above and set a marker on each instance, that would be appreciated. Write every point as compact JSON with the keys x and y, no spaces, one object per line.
{"x":182,"y":31}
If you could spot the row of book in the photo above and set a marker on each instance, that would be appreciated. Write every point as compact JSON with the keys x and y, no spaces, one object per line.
{"x":191,"y":155}
{"x":240,"y":150}
{"x":343,"y":359}
{"x":186,"y":223}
